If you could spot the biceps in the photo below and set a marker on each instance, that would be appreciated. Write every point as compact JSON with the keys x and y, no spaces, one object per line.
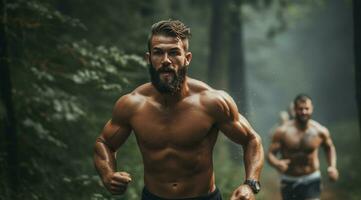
{"x":114,"y":135}
{"x":328,"y":144}
{"x":274,"y":147}
{"x":236,"y":131}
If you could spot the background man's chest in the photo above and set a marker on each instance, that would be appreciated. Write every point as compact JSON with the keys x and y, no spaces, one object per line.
{"x":304,"y":141}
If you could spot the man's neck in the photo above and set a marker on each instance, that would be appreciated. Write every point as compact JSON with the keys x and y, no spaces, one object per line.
{"x":301,"y":125}
{"x":171,"y":99}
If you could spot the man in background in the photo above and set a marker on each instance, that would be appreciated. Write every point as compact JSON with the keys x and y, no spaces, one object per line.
{"x":297,"y":141}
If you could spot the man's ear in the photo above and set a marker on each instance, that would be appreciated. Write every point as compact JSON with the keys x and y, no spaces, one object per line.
{"x":188,"y":58}
{"x":147,"y":57}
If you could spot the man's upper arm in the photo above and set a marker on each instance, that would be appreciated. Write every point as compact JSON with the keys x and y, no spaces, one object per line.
{"x":275,"y":145}
{"x":117,"y":129}
{"x":326,"y":138}
{"x":230,"y":122}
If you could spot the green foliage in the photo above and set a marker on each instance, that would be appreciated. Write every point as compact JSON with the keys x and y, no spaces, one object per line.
{"x":56,"y":78}
{"x":70,"y":60}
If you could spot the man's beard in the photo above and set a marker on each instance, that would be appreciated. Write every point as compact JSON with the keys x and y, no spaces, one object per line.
{"x":302,"y":120}
{"x":173,"y":87}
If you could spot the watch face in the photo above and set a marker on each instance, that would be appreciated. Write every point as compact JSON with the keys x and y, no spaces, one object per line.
{"x":255,"y":185}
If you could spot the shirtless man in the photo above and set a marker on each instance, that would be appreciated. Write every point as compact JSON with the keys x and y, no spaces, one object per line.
{"x":298,"y":141}
{"x":176,"y":121}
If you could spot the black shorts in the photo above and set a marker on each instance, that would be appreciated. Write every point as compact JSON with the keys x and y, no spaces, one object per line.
{"x":293,"y":190}
{"x":215,"y":195}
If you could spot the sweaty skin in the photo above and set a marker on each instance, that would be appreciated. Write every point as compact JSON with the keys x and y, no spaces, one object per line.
{"x":298,"y":142}
{"x":176,"y":134}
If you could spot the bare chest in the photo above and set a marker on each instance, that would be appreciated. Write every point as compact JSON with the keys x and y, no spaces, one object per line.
{"x":304,"y":141}
{"x":184,"y":125}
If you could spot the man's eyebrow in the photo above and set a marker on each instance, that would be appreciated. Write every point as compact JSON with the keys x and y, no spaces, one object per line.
{"x":161,"y":49}
{"x":157,"y":48}
{"x":174,"y":48}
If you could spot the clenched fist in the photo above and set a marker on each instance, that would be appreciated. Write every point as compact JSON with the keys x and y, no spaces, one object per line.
{"x":243,"y":192}
{"x":117,"y":182}
{"x":332,"y":173}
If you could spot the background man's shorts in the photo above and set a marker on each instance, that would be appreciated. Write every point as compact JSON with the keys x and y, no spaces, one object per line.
{"x":300,"y":190}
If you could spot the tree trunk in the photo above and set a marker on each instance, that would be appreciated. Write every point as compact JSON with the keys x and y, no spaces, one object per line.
{"x":215,"y":42}
{"x":236,"y":68}
{"x":8,"y":127}
{"x":357,"y":42}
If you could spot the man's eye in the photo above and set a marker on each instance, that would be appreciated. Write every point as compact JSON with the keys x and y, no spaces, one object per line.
{"x":173,"y":53}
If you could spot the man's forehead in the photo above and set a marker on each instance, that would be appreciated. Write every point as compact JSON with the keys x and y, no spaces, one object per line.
{"x":158,"y":41}
{"x":306,"y":102}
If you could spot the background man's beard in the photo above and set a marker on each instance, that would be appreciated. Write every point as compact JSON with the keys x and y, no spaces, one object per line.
{"x":302,"y":120}
{"x":175,"y":86}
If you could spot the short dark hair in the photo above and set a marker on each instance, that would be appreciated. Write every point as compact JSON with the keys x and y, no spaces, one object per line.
{"x":301,"y":97}
{"x":172,"y":28}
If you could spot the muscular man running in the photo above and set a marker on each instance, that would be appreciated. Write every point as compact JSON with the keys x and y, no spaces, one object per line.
{"x":176,"y":121}
{"x":298,"y":142}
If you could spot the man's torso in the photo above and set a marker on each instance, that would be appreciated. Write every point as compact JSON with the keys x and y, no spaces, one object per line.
{"x":176,"y":142}
{"x":301,"y":147}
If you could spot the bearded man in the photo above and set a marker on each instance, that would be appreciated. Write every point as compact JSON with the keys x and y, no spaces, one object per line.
{"x":297,"y":141}
{"x":176,"y":121}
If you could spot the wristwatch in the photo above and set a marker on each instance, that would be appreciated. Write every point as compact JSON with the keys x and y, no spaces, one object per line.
{"x":254,"y":185}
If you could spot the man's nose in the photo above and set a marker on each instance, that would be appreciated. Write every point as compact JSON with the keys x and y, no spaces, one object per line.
{"x":166,"y":60}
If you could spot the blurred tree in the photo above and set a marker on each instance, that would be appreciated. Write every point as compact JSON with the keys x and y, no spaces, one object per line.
{"x":216,"y":42}
{"x":7,"y":118}
{"x":357,"y":45}
{"x":236,"y":65}
{"x":281,"y":25}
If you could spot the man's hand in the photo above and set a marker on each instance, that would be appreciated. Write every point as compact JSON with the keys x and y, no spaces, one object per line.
{"x":282,"y":165}
{"x":243,"y":192}
{"x":117,"y":182}
{"x":332,"y":173}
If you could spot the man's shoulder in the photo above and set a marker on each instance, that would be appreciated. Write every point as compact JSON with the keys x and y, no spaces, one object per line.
{"x":319,"y":127}
{"x":284,"y":128}
{"x":135,"y":98}
{"x":216,"y":97}
{"x":215,"y":101}
{"x":197,"y":86}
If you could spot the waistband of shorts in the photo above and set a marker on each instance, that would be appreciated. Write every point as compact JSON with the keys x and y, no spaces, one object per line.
{"x":152,"y":196}
{"x":308,"y":177}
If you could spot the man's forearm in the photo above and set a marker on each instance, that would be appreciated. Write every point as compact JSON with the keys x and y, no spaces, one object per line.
{"x":104,"y":159}
{"x":272,"y":159}
{"x":253,"y":158}
{"x":331,"y":156}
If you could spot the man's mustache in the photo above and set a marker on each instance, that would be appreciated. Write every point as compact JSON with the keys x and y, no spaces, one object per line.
{"x":166,"y":69}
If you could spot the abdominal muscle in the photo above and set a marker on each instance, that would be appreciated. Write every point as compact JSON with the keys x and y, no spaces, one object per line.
{"x":172,"y":173}
{"x":302,"y":164}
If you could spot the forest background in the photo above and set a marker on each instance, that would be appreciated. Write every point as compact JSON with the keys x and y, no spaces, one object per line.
{"x":64,"y":63}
